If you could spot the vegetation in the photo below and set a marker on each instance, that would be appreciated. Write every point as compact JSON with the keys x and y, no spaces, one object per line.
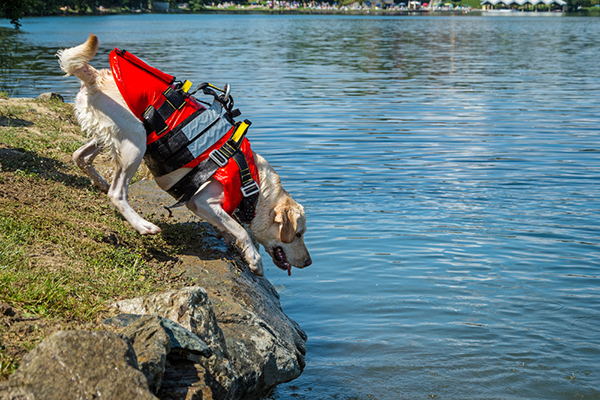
{"x":17,"y":9}
{"x":64,"y":250}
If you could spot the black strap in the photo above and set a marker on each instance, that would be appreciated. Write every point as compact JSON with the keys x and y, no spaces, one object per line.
{"x":155,"y":119}
{"x":193,"y":180}
{"x":245,"y":211}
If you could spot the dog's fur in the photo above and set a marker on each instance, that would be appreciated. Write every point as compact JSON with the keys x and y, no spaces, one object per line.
{"x":280,"y":222}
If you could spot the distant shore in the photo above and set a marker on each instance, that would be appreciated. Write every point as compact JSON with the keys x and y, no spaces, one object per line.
{"x":363,"y":12}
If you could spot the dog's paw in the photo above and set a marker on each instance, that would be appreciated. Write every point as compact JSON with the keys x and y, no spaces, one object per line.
{"x":102,"y":186}
{"x":256,"y":267}
{"x":147,"y":228}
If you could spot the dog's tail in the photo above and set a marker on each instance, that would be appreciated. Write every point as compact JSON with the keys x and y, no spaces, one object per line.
{"x":74,"y":61}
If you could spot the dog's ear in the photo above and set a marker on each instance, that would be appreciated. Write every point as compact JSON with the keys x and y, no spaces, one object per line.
{"x":288,"y":223}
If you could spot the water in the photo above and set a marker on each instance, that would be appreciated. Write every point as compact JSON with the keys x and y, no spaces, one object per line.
{"x":450,"y":172}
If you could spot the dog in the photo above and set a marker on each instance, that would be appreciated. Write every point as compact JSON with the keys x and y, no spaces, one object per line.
{"x":279,"y":223}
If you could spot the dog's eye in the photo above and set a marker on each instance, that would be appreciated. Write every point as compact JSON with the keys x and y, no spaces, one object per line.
{"x":298,"y":235}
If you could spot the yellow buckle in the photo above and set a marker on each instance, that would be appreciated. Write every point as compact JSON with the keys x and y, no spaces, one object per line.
{"x":186,"y":86}
{"x":240,"y":131}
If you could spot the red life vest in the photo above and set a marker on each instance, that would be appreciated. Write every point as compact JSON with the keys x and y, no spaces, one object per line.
{"x":181,"y":132}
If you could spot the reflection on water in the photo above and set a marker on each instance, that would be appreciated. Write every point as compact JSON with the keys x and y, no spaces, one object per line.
{"x":450,"y":172}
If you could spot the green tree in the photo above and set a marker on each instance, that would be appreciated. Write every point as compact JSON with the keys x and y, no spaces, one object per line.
{"x":14,"y":10}
{"x":197,"y":5}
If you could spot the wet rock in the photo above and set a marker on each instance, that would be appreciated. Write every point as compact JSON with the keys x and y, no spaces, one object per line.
{"x":266,"y":346}
{"x":51,"y":96}
{"x":78,"y":365}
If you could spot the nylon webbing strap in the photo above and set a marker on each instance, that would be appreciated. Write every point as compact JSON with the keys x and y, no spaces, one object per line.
{"x":191,"y":182}
{"x":155,"y":118}
{"x":245,"y":211}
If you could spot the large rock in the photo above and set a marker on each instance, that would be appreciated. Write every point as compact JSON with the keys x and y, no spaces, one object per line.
{"x":151,"y":344}
{"x":244,"y":326}
{"x":183,"y":342}
{"x":160,"y":343}
{"x":266,"y":346}
{"x":212,"y":377}
{"x":79,"y":365}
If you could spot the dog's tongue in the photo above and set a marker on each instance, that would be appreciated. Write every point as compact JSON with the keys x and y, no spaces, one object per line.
{"x":289,"y":270}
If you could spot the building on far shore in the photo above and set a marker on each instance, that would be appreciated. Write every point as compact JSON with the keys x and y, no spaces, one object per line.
{"x":530,"y":4}
{"x":160,"y":6}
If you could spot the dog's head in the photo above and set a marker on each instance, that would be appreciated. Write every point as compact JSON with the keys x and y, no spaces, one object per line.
{"x":283,"y":234}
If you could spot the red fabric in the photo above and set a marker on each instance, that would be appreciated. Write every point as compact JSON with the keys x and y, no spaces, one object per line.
{"x":142,"y":85}
{"x":229,"y":176}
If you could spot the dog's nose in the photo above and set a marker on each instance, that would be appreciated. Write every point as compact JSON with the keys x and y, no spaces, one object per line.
{"x":307,"y":262}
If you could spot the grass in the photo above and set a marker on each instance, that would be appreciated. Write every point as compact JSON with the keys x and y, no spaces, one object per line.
{"x":64,"y":250}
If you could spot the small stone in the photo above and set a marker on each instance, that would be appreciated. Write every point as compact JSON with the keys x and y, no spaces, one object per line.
{"x":51,"y":96}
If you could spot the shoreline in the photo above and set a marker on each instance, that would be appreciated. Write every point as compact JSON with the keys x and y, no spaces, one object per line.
{"x":363,"y":12}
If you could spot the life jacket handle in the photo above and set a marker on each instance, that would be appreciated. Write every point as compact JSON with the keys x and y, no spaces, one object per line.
{"x":224,"y":97}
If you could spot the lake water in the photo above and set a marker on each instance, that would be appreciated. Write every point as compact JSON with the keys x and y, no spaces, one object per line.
{"x":450,"y":171}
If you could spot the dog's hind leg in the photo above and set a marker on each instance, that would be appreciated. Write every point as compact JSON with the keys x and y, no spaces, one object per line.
{"x":207,"y":205}
{"x":84,"y":158}
{"x":127,"y":163}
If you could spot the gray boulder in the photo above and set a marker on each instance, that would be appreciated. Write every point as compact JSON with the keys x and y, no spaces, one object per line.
{"x":183,"y":342}
{"x":79,"y":365}
{"x":151,"y":344}
{"x":212,"y":376}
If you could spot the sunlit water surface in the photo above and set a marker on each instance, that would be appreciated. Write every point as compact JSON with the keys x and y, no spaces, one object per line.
{"x":450,"y":171}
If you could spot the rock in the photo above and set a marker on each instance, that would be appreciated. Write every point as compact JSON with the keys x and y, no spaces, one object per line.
{"x":51,"y":96}
{"x":182,"y":340}
{"x":151,"y":344}
{"x":191,"y":308}
{"x":121,"y":320}
{"x":154,"y":338}
{"x":188,"y":307}
{"x":263,"y":345}
{"x":79,"y":365}
{"x":266,"y":346}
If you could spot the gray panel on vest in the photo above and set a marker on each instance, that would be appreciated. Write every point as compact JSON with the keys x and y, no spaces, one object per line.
{"x":210,"y":137}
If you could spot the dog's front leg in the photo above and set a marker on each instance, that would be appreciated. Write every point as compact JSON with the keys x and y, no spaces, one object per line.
{"x":207,"y":205}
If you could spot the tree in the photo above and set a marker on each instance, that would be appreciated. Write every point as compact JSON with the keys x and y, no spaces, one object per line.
{"x":14,"y":10}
